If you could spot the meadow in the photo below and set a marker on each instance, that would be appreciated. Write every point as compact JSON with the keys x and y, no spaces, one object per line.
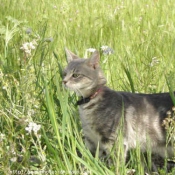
{"x":40,"y":131}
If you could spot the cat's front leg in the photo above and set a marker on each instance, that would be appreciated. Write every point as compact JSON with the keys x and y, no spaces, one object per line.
{"x":125,"y":151}
{"x":90,"y":145}
{"x":103,"y":152}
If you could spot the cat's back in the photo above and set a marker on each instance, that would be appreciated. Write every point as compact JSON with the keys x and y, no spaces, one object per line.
{"x":107,"y":108}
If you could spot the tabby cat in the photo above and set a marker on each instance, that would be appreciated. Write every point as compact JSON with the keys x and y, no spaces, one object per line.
{"x":101,"y":110}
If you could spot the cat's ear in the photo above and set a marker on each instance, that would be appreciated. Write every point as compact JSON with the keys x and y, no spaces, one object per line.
{"x":70,"y":56}
{"x":94,"y":60}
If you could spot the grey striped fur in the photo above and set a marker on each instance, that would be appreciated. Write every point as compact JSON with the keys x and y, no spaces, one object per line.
{"x":142,"y":114}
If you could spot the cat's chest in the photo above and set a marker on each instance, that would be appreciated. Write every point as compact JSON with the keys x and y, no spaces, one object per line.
{"x":87,"y":116}
{"x":88,"y":119}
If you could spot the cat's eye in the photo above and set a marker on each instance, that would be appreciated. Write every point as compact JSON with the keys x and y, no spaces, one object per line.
{"x":75,"y":75}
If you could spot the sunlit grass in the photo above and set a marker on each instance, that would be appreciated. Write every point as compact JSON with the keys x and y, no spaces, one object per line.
{"x":141,"y":35}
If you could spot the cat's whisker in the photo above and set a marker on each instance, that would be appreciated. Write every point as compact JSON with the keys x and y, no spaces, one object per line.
{"x":77,"y":91}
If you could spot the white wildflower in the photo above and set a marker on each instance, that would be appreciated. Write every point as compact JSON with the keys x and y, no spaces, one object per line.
{"x":28,"y":47}
{"x":154,"y":61}
{"x":91,"y":50}
{"x":29,"y":128}
{"x":28,"y":52}
{"x":107,"y":50}
{"x":4,"y":87}
{"x":31,"y":46}
{"x":24,"y":46}
{"x":13,"y":159}
{"x":85,"y":173}
{"x":62,"y":172}
{"x":30,"y":112}
{"x":1,"y":74}
{"x":33,"y":127}
{"x":2,"y":137}
{"x":131,"y":171}
{"x":104,"y":47}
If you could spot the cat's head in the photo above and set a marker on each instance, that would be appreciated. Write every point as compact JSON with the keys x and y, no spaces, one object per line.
{"x":83,"y":76}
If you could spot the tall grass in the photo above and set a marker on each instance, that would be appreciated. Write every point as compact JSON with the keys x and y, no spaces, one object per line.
{"x":141,"y":34}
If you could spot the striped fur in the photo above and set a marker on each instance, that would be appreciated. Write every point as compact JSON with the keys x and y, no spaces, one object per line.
{"x":142,"y":114}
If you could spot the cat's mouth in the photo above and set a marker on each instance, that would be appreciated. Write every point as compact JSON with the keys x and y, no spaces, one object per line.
{"x":71,"y":88}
